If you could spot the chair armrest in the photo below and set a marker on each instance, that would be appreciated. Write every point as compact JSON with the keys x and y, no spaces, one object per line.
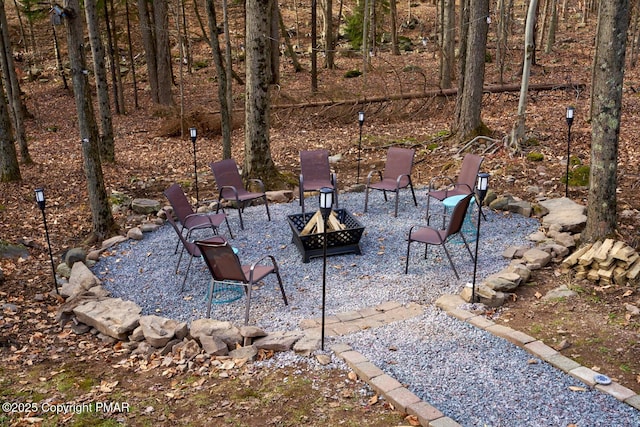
{"x":399,"y":178}
{"x":334,"y":180}
{"x":228,"y":187}
{"x":370,"y":175}
{"x":441,"y":178}
{"x":207,"y":215}
{"x":253,"y":266}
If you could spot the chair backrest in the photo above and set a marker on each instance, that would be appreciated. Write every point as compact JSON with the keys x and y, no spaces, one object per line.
{"x":457,"y":217}
{"x":314,"y":165}
{"x":189,"y":246}
{"x":226,"y":174}
{"x":178,"y":201}
{"x":399,"y":162}
{"x":222,"y":262}
{"x":469,"y":171}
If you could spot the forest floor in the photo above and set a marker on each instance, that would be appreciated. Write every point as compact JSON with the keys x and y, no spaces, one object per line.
{"x":42,"y":363}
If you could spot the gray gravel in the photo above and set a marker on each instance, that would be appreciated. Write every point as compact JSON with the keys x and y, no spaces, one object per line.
{"x":468,"y":374}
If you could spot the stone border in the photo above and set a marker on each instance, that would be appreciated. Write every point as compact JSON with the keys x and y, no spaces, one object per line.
{"x":428,"y":415}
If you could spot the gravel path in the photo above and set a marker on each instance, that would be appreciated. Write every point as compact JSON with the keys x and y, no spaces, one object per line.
{"x":468,"y":374}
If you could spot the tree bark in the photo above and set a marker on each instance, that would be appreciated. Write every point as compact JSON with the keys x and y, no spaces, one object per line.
{"x":395,"y":48}
{"x":163,"y":52}
{"x":225,"y":108}
{"x":149,"y":42}
{"x":469,"y":122}
{"x":257,"y":160}
{"x":329,"y":45}
{"x":107,"y":146}
{"x":447,"y":53}
{"x":9,"y":168}
{"x":16,"y":106}
{"x":103,"y":224}
{"x":606,"y":113}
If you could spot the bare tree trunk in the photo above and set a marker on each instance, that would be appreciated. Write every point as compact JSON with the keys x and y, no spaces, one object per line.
{"x":518,"y":130}
{"x":366,"y":16}
{"x":290,"y":51}
{"x":607,"y":83}
{"x":501,"y":42}
{"x":462,"y":61}
{"x":163,"y":52}
{"x":553,"y":24}
{"x":395,"y":49}
{"x":132,"y":63}
{"x":9,"y":168}
{"x":149,"y":42}
{"x":14,"y":97}
{"x":257,"y":160}
{"x":107,"y":146}
{"x":225,"y":108}
{"x":102,"y":219}
{"x":114,"y":58}
{"x":447,"y":58}
{"x":314,"y":46}
{"x":469,"y":123}
{"x":196,"y":10}
{"x":329,"y":44}
{"x":59,"y":66}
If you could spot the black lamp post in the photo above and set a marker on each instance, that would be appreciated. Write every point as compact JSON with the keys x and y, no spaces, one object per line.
{"x":481,"y":192}
{"x":326,"y":202}
{"x":570,"y":111}
{"x":194,"y":134}
{"x":40,"y":199}
{"x":360,"y":122}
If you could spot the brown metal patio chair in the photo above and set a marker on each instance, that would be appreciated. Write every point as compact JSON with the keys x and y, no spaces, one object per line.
{"x":225,"y":267}
{"x":231,"y":187}
{"x":431,"y":236}
{"x":189,"y":219}
{"x":397,"y":175}
{"x":465,"y":184}
{"x":191,"y":248}
{"x":315,"y":174}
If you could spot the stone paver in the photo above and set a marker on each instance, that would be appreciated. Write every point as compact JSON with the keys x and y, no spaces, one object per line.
{"x":403,"y":399}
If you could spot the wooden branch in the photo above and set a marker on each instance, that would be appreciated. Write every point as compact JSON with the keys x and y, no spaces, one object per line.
{"x":431,"y":93}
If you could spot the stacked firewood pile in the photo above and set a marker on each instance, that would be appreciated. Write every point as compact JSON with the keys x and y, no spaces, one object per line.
{"x":316,"y":224}
{"x":605,"y":262}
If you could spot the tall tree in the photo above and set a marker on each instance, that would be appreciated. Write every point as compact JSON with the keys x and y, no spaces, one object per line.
{"x":163,"y":52}
{"x":103,"y":224}
{"x":518,"y":130}
{"x":447,"y":42}
{"x":12,"y":86}
{"x":608,"y":75}
{"x":329,"y":45}
{"x":257,"y":160}
{"x":468,"y":122}
{"x":9,"y":168}
{"x":154,"y":25}
{"x":107,"y":145}
{"x":225,"y":108}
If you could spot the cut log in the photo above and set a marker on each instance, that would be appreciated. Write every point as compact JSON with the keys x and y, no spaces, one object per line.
{"x":626,"y":253}
{"x":311,"y":225}
{"x":634,"y":270}
{"x":587,"y":257}
{"x":572,"y":259}
{"x":334,"y":224}
{"x":603,"y":252}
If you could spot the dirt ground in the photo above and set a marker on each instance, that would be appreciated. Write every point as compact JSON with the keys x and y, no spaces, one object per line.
{"x":42,"y":363}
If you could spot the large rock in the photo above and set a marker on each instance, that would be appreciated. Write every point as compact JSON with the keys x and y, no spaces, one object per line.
{"x":74,"y":255}
{"x":81,"y":279}
{"x":112,"y":316}
{"x":145,"y":206}
{"x":214,"y":346}
{"x":158,"y":331}
{"x":566,"y":213}
{"x":226,"y":331}
{"x":279,"y":341}
{"x":536,"y":258}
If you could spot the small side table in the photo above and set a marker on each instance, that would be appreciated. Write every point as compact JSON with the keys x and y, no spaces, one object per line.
{"x":468,"y":227}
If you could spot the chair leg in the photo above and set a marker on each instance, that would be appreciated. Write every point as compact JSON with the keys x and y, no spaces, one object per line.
{"x":248,"y":303}
{"x":266,"y":205}
{"x":413,"y":193}
{"x":210,"y":299}
{"x":406,"y":264}
{"x":467,"y":246}
{"x":366,"y":198}
{"x":284,"y":296}
{"x":240,"y":206}
{"x":228,"y":227}
{"x":186,"y":273}
{"x":427,"y":210}
{"x":450,"y":261}
{"x":397,"y":200}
